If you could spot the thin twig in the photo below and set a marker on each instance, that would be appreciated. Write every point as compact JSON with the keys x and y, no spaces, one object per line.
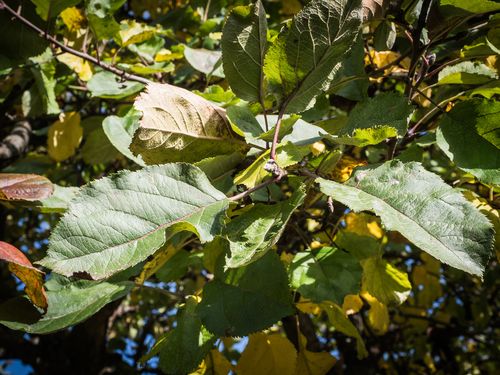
{"x":85,"y":56}
{"x":255,"y":188}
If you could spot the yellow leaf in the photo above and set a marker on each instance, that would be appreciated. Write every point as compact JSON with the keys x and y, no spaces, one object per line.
{"x":215,"y":363}
{"x":159,"y":259}
{"x":78,"y":65}
{"x":290,"y":7}
{"x":342,"y":323}
{"x":73,"y":18}
{"x":317,"y":148}
{"x":64,"y":136}
{"x":344,"y":168}
{"x":378,"y":315}
{"x":287,"y":258}
{"x":384,"y":281}
{"x":267,"y":354}
{"x":133,"y":32}
{"x":364,"y":225}
{"x":352,"y":304}
{"x":167,"y":55}
{"x":308,"y":307}
{"x":312,"y":363}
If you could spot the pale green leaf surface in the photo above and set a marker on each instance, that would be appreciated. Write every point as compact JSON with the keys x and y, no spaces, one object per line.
{"x":466,"y":7}
{"x":178,"y":125}
{"x":326,"y":275}
{"x":424,"y":209}
{"x":204,"y":60}
{"x":108,"y":86}
{"x":244,"y":44}
{"x":459,"y":137}
{"x":244,"y":301}
{"x":254,"y":232}
{"x":120,"y":131}
{"x":100,"y":16}
{"x":118,"y":221}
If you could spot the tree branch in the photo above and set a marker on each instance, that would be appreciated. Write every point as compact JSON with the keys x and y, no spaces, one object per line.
{"x":85,"y":56}
{"x":14,"y":144}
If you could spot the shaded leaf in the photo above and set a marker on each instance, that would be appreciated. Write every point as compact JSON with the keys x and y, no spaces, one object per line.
{"x":179,"y":125}
{"x":103,"y":233}
{"x":183,"y":348}
{"x":342,"y":323}
{"x":326,"y":275}
{"x":52,"y":8}
{"x":458,"y":136}
{"x":241,"y":302}
{"x":100,"y":16}
{"x":312,"y":363}
{"x":71,"y":303}
{"x":378,"y":315}
{"x":415,"y":202}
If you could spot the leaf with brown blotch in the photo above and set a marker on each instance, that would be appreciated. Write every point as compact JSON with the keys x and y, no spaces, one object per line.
{"x":20,"y":266}
{"x":178,"y":125}
{"x":26,"y":187}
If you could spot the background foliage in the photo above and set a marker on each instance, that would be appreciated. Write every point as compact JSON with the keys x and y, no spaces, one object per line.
{"x":290,"y":252}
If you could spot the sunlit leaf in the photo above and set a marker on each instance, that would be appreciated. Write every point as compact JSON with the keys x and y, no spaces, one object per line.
{"x":64,"y":136}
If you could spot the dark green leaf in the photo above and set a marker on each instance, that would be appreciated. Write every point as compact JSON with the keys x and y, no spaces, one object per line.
{"x":248,"y":299}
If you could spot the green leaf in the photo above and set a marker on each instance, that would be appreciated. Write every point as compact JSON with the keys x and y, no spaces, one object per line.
{"x":100,"y":16}
{"x":374,"y":120}
{"x":385,"y":282}
{"x":326,"y":275}
{"x":178,"y":125}
{"x":182,"y":349}
{"x":254,"y":232}
{"x":120,"y":131}
{"x":204,"y":60}
{"x":305,"y":59}
{"x":98,"y":149}
{"x":286,"y":128}
{"x":385,"y":36}
{"x":424,"y":209}
{"x":44,"y":71}
{"x":248,"y":299}
{"x":467,"y":73}
{"x":52,"y":8}
{"x":244,"y":45}
{"x":118,"y":221}
{"x":458,"y":137}
{"x":220,"y":169}
{"x":107,"y":85}
{"x":72,"y":303}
